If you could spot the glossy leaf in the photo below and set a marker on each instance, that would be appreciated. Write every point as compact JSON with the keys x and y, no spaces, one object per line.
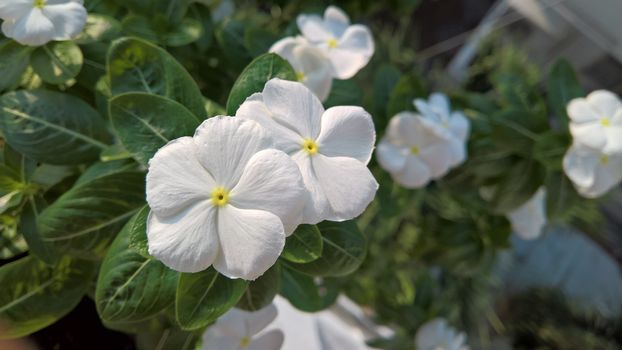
{"x":31,"y":211}
{"x":304,"y":293}
{"x":304,"y":245}
{"x":98,"y":28}
{"x":261,"y":291}
{"x":14,"y":59}
{"x":137,"y":228}
{"x":563,"y":86}
{"x":57,"y":62}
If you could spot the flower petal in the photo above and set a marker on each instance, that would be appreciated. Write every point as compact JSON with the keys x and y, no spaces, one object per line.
{"x":316,"y":70}
{"x":336,"y":20}
{"x":459,"y":125}
{"x":439,"y":103}
{"x":580,"y":111}
{"x":580,"y":165}
{"x":272,"y":182}
{"x":313,"y":28}
{"x":33,"y":29}
{"x":589,"y":134}
{"x":354,"y":50}
{"x":241,"y":323}
{"x":390,"y":157}
{"x":14,"y":9}
{"x":69,"y":19}
{"x":406,"y":129}
{"x":347,"y":131}
{"x":176,"y":179}
{"x":347,"y":184}
{"x":272,"y":340}
{"x":316,"y":203}
{"x":213,"y":339}
{"x":607,"y":175}
{"x":605,"y":102}
{"x":437,"y":157}
{"x":415,"y":174}
{"x":187,"y":241}
{"x":293,"y":105}
{"x":613,"y":135}
{"x":529,"y":219}
{"x":225,"y":145}
{"x":458,"y":152}
{"x":250,"y":242}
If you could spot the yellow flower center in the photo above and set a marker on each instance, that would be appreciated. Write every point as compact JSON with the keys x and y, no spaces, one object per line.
{"x":245,"y":342}
{"x":604,"y":159}
{"x":605,"y":122}
{"x":220,"y":196}
{"x":414,"y":150}
{"x":310,"y":146}
{"x":39,"y":3}
{"x":332,"y":43}
{"x":300,"y":76}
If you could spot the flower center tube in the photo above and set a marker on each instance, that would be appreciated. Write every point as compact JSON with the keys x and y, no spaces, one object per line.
{"x":245,"y":342}
{"x":604,"y":159}
{"x":39,"y":3}
{"x":415,"y":150}
{"x":605,"y":122}
{"x":220,"y":196}
{"x":300,"y":76}
{"x":332,"y":43}
{"x":310,"y":146}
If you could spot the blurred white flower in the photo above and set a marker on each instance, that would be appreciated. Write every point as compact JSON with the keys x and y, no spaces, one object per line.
{"x":312,"y":68}
{"x":222,"y":198}
{"x":596,"y":121}
{"x":438,"y":335}
{"x":451,"y":125}
{"x":36,"y":22}
{"x":592,"y":172}
{"x":412,"y":152}
{"x":349,"y":47}
{"x":241,"y":330}
{"x":529,"y":219}
{"x":332,"y":147}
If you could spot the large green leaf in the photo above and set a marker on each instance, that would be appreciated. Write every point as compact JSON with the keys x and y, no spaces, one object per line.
{"x":85,"y":219}
{"x":344,"y":249}
{"x":57,"y":62}
{"x":304,"y":293}
{"x":255,"y":76}
{"x":304,"y":245}
{"x":137,"y":228}
{"x":135,"y":65}
{"x":563,"y":86}
{"x":14,"y":59}
{"x":34,"y":295}
{"x":33,"y":207}
{"x":52,"y":127}
{"x":204,"y":296}
{"x":132,"y":287}
{"x":145,"y":122}
{"x":261,"y":291}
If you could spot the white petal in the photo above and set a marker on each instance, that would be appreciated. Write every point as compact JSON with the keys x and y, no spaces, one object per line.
{"x":437,"y":157}
{"x":316,"y":69}
{"x":186,"y":242}
{"x":605,"y":102}
{"x":431,"y":334}
{"x":458,"y":152}
{"x":529,"y":219}
{"x":14,"y":9}
{"x":7,"y":27}
{"x":347,"y":184}
{"x":285,"y":139}
{"x":176,"y":179}
{"x":316,"y":203}
{"x":272,"y":340}
{"x":390,"y":157}
{"x":613,"y":135}
{"x":425,"y":109}
{"x":589,"y":134}
{"x":606,"y":177}
{"x":459,"y":125}
{"x":272,"y":182}
{"x":240,"y":323}
{"x":416,"y":174}
{"x":580,"y":111}
{"x":313,"y":28}
{"x":407,"y":129}
{"x":580,"y":165}
{"x":33,"y":29}
{"x":213,"y":338}
{"x":354,"y":50}
{"x":440,"y":104}
{"x":336,"y":20}
{"x":347,"y":131}
{"x":294,"y":106}
{"x":250,"y":242}
{"x":285,"y":48}
{"x":225,"y":145}
{"x":68,"y":18}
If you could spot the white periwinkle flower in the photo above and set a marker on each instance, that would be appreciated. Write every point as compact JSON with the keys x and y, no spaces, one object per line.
{"x":412,"y":152}
{"x":451,"y":125}
{"x":332,"y":147}
{"x":529,"y":219}
{"x":596,"y":121}
{"x":349,"y":47}
{"x":36,"y":22}
{"x":224,"y":198}
{"x":242,"y":330}
{"x":438,"y":335}
{"x":592,"y":172}
{"x":312,"y":68}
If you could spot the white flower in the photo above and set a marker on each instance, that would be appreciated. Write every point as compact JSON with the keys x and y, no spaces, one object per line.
{"x":438,"y":335}
{"x":592,"y":172}
{"x":451,"y":125}
{"x":312,"y":68}
{"x":331,"y":148}
{"x":222,"y":198}
{"x":596,"y":121}
{"x":36,"y":22}
{"x":349,"y":47}
{"x":240,"y":330}
{"x":412,"y":152}
{"x":529,"y":219}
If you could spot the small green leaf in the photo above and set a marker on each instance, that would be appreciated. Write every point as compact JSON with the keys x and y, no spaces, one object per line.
{"x":563,"y":86}
{"x":230,"y":37}
{"x":14,"y":59}
{"x":344,"y":93}
{"x":304,"y":245}
{"x":404,"y":92}
{"x":141,"y":27}
{"x":132,"y":287}
{"x":12,"y":243}
{"x":99,"y":28}
{"x":187,"y":32}
{"x":28,"y":227}
{"x":144,"y":123}
{"x":303,"y":293}
{"x":137,"y":228}
{"x":522,"y":181}
{"x":261,"y":291}
{"x":204,"y":296}
{"x":34,"y":295}
{"x":57,"y":62}
{"x":255,"y":76}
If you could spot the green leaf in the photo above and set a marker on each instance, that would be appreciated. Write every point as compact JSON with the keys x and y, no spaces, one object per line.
{"x":144,"y":123}
{"x":14,"y":59}
{"x":255,"y":76}
{"x":344,"y":93}
{"x":141,"y":27}
{"x":344,"y":249}
{"x":135,"y":65}
{"x":99,"y":28}
{"x":261,"y":291}
{"x":85,"y":219}
{"x":12,"y":243}
{"x":405,"y":91}
{"x":101,"y":169}
{"x":52,"y":127}
{"x":204,"y":296}
{"x":57,"y":62}
{"x":28,"y":227}
{"x":230,"y":37}
{"x":187,"y":32}
{"x":303,"y":293}
{"x":304,"y":245}
{"x":258,"y":41}
{"x":132,"y":287}
{"x":563,"y":86}
{"x":385,"y":79}
{"x":522,"y":181}
{"x":137,"y":228}
{"x":34,"y":295}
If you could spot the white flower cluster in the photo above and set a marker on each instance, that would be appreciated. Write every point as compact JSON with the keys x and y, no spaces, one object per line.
{"x":437,"y":334}
{"x":329,"y":48}
{"x":594,"y":161}
{"x":418,"y":148}
{"x":229,"y":195}
{"x":37,"y":22}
